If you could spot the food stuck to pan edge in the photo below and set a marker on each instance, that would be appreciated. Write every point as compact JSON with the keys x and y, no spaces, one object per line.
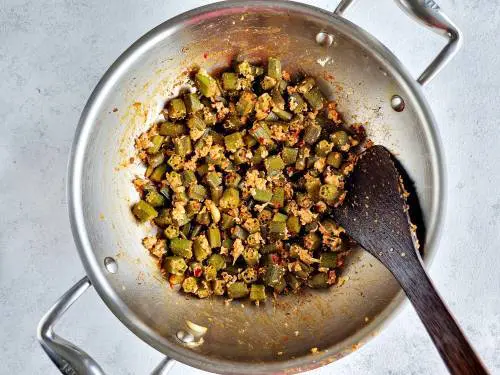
{"x":241,"y":173}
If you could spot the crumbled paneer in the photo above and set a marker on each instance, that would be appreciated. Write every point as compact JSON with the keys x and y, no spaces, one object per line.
{"x":306,"y":216}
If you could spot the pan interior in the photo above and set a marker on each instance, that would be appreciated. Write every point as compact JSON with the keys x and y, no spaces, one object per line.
{"x":282,"y":329}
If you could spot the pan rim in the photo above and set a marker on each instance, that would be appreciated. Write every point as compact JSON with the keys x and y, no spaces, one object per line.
{"x":75,"y":204}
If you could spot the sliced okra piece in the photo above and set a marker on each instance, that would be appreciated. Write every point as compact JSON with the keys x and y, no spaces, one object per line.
{"x":251,"y":256}
{"x":340,"y":138}
{"x":293,"y":224}
{"x":249,"y":140}
{"x":196,"y":127}
{"x":268,"y":83}
{"x":176,"y":162}
{"x":278,"y":199}
{"x":197,"y":192}
{"x":155,"y":160}
{"x":315,"y":98}
{"x":306,"y":85}
{"x":289,"y":155}
{"x":188,"y":178}
{"x":233,"y":122}
{"x":244,"y":68}
{"x":312,"y":241}
{"x":302,"y":270}
{"x":311,"y":134}
{"x":328,"y":260}
{"x":230,"y":81}
{"x":279,"y":217}
{"x":218,"y":287}
{"x":261,"y":132}
{"x":206,"y":84}
{"x":239,"y":232}
{"x":214,"y":237}
{"x":318,"y":281}
{"x":230,"y":199}
{"x":192,"y":103}
{"x":292,"y":281}
{"x":201,"y":248}
{"x":183,"y":145}
{"x":296,"y":103}
{"x":217,"y":261}
{"x":323,"y":148}
{"x":171,"y":129}
{"x":274,"y":275}
{"x":257,"y":292}
{"x":232,"y":179}
{"x":209,"y":273}
{"x":246,"y":103}
{"x":190,"y":285}
{"x":234,"y":142}
{"x":277,"y":229}
{"x":181,"y":247}
{"x":274,"y":165}
{"x":262,"y":195}
{"x":274,"y":68}
{"x":155,"y":199}
{"x":175,"y":265}
{"x":203,"y":218}
{"x":282,"y":114}
{"x":334,"y":159}
{"x":157,"y":141}
{"x":176,"y":109}
{"x":171,"y":232}
{"x":278,"y":100}
{"x":329,"y":193}
{"x":143,"y":211}
{"x":227,"y":221}
{"x":216,"y":193}
{"x":237,"y":290}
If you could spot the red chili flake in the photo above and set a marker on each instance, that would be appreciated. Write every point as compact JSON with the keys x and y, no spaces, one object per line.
{"x":332,"y":277}
{"x":301,"y":143}
{"x":170,"y":279}
{"x":197,"y":272}
{"x":205,"y":55}
{"x":275,"y":258}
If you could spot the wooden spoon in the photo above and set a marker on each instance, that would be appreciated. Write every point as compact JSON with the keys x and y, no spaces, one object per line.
{"x":375,"y":215}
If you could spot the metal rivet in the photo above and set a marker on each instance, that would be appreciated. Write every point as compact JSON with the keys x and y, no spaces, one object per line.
{"x":397,"y":103}
{"x":184,"y":337}
{"x":110,"y":264}
{"x":324,"y":39}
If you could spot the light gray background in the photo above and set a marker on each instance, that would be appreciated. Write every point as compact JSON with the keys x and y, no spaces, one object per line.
{"x":52,"y":53}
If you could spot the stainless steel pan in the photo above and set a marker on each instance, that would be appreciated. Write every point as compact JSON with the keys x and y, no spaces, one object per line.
{"x":371,"y":86}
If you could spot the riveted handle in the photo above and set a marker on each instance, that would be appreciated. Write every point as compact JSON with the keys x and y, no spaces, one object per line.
{"x":428,"y":13}
{"x":68,"y":358}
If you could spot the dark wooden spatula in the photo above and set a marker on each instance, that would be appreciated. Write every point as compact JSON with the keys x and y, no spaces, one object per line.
{"x":374,"y":214}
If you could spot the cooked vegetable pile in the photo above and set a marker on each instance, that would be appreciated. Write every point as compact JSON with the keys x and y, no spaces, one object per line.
{"x":239,"y":180}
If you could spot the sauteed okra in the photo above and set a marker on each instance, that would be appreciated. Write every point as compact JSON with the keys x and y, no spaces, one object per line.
{"x":240,"y":177}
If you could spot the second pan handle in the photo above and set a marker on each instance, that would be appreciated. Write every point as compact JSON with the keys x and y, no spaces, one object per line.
{"x":70,"y":359}
{"x":428,"y":13}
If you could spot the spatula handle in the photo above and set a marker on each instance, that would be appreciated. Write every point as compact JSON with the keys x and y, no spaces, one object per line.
{"x":449,"y":339}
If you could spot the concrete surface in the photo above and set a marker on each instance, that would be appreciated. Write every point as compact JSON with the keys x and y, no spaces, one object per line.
{"x":52,"y":54}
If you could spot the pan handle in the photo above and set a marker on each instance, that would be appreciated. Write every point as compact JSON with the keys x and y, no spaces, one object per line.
{"x":428,"y":13}
{"x":68,"y":358}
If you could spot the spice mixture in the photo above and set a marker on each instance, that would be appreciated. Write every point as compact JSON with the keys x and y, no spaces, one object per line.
{"x":240,"y":177}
